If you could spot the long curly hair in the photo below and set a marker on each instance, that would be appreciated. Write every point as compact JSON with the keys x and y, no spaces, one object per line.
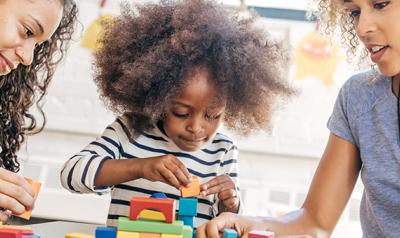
{"x":27,"y":85}
{"x":335,"y":19}
{"x":147,"y":50}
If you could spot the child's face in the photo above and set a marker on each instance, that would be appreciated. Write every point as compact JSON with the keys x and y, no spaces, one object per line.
{"x":377,"y":24}
{"x":24,"y":24}
{"x":195,"y":114}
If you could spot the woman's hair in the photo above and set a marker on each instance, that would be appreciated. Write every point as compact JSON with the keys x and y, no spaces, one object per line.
{"x":23,"y":86}
{"x":147,"y":51}
{"x":334,"y":19}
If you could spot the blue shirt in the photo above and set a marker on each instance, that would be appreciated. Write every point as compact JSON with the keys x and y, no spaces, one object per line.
{"x":365,"y":114}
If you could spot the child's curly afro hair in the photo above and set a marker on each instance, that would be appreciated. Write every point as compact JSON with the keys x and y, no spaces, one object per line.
{"x":147,"y":50}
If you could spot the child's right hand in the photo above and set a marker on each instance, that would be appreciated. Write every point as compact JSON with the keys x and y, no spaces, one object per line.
{"x":16,"y":194}
{"x":167,"y":169}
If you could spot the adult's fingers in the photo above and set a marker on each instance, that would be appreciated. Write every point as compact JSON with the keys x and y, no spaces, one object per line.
{"x":16,"y":179}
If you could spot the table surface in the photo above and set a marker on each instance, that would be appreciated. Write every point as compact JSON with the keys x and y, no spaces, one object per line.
{"x":59,"y":229}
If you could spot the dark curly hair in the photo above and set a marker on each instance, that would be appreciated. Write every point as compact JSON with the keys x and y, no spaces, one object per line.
{"x":147,"y":50}
{"x":26,"y":85}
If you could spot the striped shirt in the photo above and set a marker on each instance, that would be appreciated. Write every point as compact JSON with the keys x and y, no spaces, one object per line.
{"x":217,"y":157}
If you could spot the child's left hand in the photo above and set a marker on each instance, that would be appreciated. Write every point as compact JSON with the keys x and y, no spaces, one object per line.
{"x":225,"y":188}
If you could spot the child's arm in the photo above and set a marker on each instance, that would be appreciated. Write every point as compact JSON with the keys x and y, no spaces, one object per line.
{"x":330,"y":190}
{"x":226,"y":185}
{"x":101,"y":165}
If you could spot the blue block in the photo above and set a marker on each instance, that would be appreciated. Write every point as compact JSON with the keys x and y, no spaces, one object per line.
{"x":33,"y":236}
{"x":187,"y":220}
{"x":230,"y":233}
{"x":187,"y":206}
{"x":106,"y":232}
{"x":158,"y":195}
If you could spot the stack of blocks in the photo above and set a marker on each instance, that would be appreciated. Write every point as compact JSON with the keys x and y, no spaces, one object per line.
{"x":154,"y":217}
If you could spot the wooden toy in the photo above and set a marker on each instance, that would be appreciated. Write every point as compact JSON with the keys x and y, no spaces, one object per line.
{"x":166,"y":206}
{"x":124,"y":224}
{"x":230,"y":233}
{"x":261,"y":234}
{"x":36,"y":187}
{"x":192,"y":190}
{"x":105,"y":232}
{"x":127,"y":234}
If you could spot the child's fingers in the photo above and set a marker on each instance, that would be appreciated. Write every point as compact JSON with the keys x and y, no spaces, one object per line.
{"x":181,"y":172}
{"x":231,"y":202}
{"x":226,"y":194}
{"x":216,"y":186}
{"x":170,"y":178}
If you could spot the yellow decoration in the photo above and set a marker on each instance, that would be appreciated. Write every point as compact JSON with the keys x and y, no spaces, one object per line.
{"x":316,"y":57}
{"x":94,"y":32}
{"x":151,"y":215}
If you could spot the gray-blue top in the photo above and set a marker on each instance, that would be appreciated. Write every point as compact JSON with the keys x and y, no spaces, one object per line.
{"x":365,"y":114}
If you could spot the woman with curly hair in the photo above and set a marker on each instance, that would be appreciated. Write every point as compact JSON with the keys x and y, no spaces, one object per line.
{"x":173,"y":72}
{"x":34,"y":36}
{"x":365,"y":133}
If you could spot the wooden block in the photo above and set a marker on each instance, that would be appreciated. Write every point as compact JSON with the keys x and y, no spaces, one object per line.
{"x":78,"y":235}
{"x":187,"y":206}
{"x":149,"y":235}
{"x":36,"y":187}
{"x":193,"y":190}
{"x":127,"y":234}
{"x":10,"y":233}
{"x":165,"y":206}
{"x":187,"y":232}
{"x":124,"y":224}
{"x":158,"y":195}
{"x":230,"y":233}
{"x":151,"y":215}
{"x":15,"y":227}
{"x":33,"y":236}
{"x":261,"y":234}
{"x":171,"y":236}
{"x":187,"y":220}
{"x":105,"y":232}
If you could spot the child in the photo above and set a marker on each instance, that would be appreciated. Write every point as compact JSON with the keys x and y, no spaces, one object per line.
{"x":34,"y":38}
{"x":173,"y":72}
{"x":364,"y":134}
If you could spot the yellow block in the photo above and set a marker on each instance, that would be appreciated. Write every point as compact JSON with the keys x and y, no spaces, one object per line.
{"x":127,"y":234}
{"x":170,"y":236}
{"x":78,"y":235}
{"x":151,"y":215}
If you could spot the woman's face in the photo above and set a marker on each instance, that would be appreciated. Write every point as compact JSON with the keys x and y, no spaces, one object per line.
{"x":23,"y":25}
{"x":377,"y":23}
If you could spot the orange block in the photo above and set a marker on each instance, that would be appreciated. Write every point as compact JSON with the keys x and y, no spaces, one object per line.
{"x":36,"y":187}
{"x":165,"y":206}
{"x":149,"y":235}
{"x":193,"y":190}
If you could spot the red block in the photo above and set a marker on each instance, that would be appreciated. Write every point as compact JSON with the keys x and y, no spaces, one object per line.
{"x":165,"y":206}
{"x":14,"y":233}
{"x":261,"y":234}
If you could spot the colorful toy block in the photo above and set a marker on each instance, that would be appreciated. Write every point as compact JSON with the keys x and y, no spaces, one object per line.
{"x":170,"y":236}
{"x":261,"y":234}
{"x":230,"y":233}
{"x":187,"y":206}
{"x":33,"y":236}
{"x":127,"y":234}
{"x":14,"y":233}
{"x":187,"y":220}
{"x":187,"y":232}
{"x":78,"y":235}
{"x":124,"y":224}
{"x":193,"y":190}
{"x":166,"y":206}
{"x":105,"y":232}
{"x":158,"y":195}
{"x":149,"y":235}
{"x":36,"y":188}
{"x":151,"y":215}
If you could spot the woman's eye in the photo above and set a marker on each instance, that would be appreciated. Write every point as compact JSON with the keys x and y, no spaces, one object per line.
{"x":28,"y":32}
{"x":381,"y":5}
{"x":354,"y":13}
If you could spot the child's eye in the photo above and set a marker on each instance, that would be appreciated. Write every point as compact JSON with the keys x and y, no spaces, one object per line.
{"x":215,"y":117}
{"x":181,"y":115}
{"x":380,"y":5}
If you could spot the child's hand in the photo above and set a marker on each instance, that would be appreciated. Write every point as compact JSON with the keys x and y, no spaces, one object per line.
{"x":225,"y":187}
{"x":167,"y":169}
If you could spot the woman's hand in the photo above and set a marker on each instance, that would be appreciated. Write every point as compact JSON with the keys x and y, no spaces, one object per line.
{"x":16,"y":194}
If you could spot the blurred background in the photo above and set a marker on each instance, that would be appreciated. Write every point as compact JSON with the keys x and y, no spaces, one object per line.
{"x":275,"y":169}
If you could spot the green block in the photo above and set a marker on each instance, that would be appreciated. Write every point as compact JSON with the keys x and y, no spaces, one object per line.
{"x":124,"y":224}
{"x":187,"y":232}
